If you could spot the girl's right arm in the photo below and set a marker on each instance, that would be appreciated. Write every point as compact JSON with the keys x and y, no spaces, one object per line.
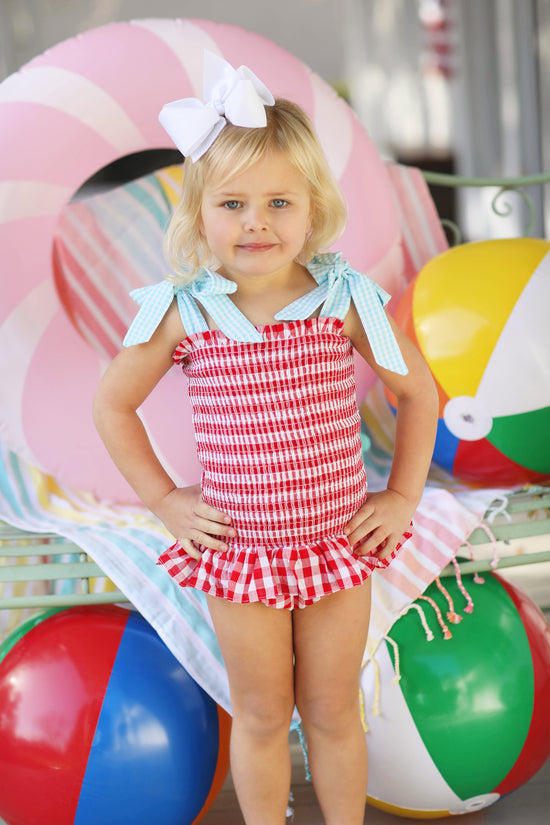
{"x":128,"y":381}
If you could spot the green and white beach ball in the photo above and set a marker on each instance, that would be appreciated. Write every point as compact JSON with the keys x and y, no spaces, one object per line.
{"x":468,"y":720}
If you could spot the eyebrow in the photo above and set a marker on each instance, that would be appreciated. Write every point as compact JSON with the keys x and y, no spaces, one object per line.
{"x":233,"y":194}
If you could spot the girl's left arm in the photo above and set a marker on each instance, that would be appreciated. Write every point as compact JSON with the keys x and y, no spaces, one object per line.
{"x":385,"y":516}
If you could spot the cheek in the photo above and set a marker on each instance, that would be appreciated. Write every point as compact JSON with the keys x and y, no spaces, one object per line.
{"x":209,"y":228}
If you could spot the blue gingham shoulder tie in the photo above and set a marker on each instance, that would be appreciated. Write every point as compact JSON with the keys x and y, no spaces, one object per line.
{"x":338,"y":284}
{"x":209,"y":288}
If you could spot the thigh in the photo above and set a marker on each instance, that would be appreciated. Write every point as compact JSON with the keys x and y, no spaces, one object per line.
{"x":330,"y":637}
{"x":257,"y":648}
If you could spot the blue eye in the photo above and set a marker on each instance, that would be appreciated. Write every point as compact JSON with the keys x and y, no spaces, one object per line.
{"x":279,"y":203}
{"x":231,"y":204}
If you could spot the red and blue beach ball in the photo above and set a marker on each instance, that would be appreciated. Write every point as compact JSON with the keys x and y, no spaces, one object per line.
{"x":467,"y":722}
{"x":100,"y":723}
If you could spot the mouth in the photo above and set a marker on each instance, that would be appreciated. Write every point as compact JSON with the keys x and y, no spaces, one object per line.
{"x":256,"y":247}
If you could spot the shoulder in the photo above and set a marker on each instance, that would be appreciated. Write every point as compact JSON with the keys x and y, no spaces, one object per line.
{"x":333,"y":269}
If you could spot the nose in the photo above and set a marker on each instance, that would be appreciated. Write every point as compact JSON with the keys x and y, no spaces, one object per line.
{"x":255,"y":218}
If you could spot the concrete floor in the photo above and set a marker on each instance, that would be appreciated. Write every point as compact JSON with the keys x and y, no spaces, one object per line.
{"x":528,"y":805}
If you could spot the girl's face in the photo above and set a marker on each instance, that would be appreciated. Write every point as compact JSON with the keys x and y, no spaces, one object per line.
{"x":256,"y":222}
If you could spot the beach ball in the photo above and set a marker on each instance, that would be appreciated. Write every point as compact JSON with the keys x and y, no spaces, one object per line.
{"x":100,"y":723}
{"x":468,"y":720}
{"x":479,"y":315}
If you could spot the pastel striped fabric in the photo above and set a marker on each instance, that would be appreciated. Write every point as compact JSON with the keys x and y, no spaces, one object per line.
{"x":126,"y":542}
{"x":104,"y":245}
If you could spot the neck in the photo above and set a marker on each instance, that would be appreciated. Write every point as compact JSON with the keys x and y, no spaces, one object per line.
{"x":260,"y":297}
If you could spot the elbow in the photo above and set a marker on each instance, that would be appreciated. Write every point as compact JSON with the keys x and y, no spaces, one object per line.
{"x":421,"y":393}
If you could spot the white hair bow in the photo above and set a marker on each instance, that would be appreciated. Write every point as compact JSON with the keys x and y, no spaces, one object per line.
{"x":234,"y":95}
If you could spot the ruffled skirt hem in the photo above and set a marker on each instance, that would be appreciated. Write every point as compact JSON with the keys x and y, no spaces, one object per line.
{"x":291,"y":577}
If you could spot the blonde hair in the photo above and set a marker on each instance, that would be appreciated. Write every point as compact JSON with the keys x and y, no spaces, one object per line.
{"x":236,"y":148}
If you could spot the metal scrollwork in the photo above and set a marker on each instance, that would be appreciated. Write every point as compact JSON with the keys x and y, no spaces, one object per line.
{"x":502,"y":208}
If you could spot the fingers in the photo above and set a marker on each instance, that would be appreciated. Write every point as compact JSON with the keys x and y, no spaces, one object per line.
{"x":378,"y":543}
{"x":212,"y":521}
{"x":364,"y":528}
{"x":360,"y":524}
{"x":209,"y":527}
{"x":206,"y":511}
{"x":193,"y":522}
{"x":205,"y":539}
{"x":190,"y":549}
{"x":379,"y":524}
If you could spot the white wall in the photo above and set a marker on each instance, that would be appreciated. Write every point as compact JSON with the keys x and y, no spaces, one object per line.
{"x":309,"y":29}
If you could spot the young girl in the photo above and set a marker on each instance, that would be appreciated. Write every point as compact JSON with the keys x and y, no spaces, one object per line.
{"x":281,"y":534}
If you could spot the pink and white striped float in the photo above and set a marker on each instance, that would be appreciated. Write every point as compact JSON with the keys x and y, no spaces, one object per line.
{"x":66,"y":115}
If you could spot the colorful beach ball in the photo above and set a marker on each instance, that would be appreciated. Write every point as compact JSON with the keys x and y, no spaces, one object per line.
{"x":100,"y":723}
{"x":468,"y":720}
{"x":479,"y":315}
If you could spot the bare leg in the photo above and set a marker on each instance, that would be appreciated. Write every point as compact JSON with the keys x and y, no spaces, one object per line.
{"x":256,"y":644}
{"x":329,"y":641}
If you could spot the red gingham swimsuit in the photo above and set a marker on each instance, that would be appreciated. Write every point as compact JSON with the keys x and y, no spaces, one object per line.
{"x":277,"y":429}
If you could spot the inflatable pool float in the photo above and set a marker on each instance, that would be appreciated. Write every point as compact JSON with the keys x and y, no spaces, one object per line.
{"x":68,"y":114}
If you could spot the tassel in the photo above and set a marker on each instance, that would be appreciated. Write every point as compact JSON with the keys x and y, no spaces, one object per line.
{"x":452,"y":615}
{"x":493,"y":540}
{"x":413,"y":606}
{"x":477,"y":578}
{"x":499,"y":507}
{"x":446,"y":632}
{"x":397,"y":678}
{"x":470,"y":604}
{"x":376,"y":703}
{"x":364,"y":723}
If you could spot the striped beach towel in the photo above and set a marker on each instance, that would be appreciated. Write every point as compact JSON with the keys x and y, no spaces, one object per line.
{"x":126,"y":541}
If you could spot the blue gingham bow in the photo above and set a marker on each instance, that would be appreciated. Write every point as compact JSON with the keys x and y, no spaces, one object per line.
{"x":210,"y":288}
{"x":338,"y":284}
{"x":234,"y":95}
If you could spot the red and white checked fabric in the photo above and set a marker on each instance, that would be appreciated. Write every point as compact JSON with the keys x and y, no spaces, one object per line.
{"x":277,"y":429}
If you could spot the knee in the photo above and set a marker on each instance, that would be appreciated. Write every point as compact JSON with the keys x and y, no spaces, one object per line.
{"x":329,"y":714}
{"x":264,"y":716}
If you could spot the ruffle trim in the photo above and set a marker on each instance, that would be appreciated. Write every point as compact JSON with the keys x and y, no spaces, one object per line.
{"x":281,"y":331}
{"x":279,"y":577}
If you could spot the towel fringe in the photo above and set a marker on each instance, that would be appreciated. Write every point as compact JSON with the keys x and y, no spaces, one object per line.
{"x":469,"y":601}
{"x":452,"y":615}
{"x":413,"y":606}
{"x":397,"y":678}
{"x":477,"y":578}
{"x":446,"y":632}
